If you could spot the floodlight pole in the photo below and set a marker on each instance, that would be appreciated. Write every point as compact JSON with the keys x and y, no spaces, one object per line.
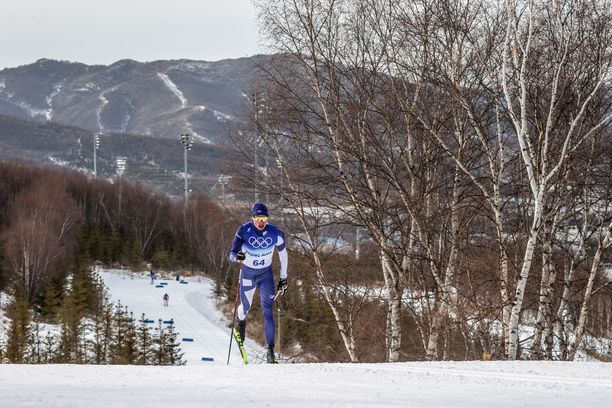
{"x":255,"y":101}
{"x":186,"y":191}
{"x":187,"y":142}
{"x":96,"y":144}
{"x":259,"y":105}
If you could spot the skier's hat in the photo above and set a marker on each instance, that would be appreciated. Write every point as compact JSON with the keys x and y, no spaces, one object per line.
{"x":259,"y":210}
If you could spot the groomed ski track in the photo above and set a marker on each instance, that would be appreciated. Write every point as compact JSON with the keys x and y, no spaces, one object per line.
{"x":191,"y":307}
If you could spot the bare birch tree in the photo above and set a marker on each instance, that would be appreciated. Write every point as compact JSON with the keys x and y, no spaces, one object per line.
{"x":534,"y":108}
{"x":40,"y":235}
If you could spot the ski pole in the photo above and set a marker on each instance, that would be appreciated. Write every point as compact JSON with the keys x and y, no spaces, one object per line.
{"x":234,"y":317}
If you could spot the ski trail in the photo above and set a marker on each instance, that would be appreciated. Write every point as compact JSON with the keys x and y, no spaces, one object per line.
{"x":184,"y":104}
{"x":49,"y":99}
{"x":103,"y":103}
{"x":173,"y":88}
{"x":196,"y":135}
{"x":191,"y":307}
{"x":127,"y":118}
{"x":33,"y":112}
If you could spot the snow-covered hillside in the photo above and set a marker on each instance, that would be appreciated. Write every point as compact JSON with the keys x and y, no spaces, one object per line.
{"x":215,"y":384}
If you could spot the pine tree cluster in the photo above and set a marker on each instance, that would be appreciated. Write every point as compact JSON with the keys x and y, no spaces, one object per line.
{"x":91,"y":330}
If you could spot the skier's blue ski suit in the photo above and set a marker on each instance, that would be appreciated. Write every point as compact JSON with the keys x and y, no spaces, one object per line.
{"x":258,"y":247}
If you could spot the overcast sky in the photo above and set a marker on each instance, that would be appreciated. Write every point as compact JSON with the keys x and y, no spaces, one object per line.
{"x":105,"y":31}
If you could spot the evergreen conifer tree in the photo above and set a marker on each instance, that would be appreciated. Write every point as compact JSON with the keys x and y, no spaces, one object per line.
{"x":36,"y":354}
{"x":119,"y":322}
{"x":69,"y":349}
{"x":2,"y":350}
{"x":102,"y":334}
{"x":175,"y":355}
{"x":161,"y":349}
{"x":132,"y":253}
{"x":125,"y":347}
{"x":160,"y":258}
{"x":131,"y":350}
{"x":50,"y":348}
{"x":96,"y":245}
{"x":114,"y":246}
{"x":19,"y":329}
{"x":72,"y":345}
{"x":145,"y":343}
{"x":51,"y":300}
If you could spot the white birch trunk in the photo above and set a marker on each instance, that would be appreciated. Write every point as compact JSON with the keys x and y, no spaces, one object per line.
{"x":448,"y":292}
{"x":543,"y":319}
{"x":394,"y":334}
{"x":346,"y":330}
{"x":517,"y":306}
{"x":588,"y":292}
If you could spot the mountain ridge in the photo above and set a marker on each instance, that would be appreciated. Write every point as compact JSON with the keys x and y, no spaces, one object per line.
{"x":161,"y":98}
{"x":50,"y":111}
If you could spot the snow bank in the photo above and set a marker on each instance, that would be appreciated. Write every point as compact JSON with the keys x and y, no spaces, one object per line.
{"x":445,"y":384}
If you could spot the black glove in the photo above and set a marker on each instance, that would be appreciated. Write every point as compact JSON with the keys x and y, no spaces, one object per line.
{"x":282,"y":287}
{"x":240,"y":256}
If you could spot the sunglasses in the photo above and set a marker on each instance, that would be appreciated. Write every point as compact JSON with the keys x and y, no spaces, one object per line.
{"x":260,"y":219}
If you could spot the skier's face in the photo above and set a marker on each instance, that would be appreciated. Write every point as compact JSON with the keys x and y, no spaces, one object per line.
{"x":260,"y":222}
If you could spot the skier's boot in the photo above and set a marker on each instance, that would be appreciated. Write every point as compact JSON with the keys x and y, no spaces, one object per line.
{"x":240,"y":331}
{"x":270,"y":355}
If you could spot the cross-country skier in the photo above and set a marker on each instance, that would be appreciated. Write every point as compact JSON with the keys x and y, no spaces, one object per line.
{"x":254,"y":245}
{"x":166,"y":298}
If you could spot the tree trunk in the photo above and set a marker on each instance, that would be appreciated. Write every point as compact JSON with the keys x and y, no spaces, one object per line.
{"x":394,"y":332}
{"x":588,"y":292}
{"x":543,"y":320}
{"x":521,"y":285}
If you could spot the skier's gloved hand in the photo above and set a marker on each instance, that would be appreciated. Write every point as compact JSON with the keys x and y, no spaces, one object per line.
{"x":237,"y":257}
{"x":282,"y":287}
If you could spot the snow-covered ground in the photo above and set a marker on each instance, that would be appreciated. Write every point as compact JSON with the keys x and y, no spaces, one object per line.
{"x":443,"y":384}
{"x":215,"y":384}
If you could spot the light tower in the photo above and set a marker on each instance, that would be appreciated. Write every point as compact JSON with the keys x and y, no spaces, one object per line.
{"x":223,"y":180}
{"x":255,"y":102}
{"x":187,"y":142}
{"x":259,"y":106}
{"x":96,"y":146}
{"x":121,"y":164}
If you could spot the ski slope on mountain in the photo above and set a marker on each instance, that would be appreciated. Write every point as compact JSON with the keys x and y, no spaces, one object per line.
{"x":215,"y":384}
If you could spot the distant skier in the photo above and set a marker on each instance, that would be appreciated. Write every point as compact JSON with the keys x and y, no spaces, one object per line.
{"x":152,"y":276}
{"x":253,"y":246}
{"x":166,"y":298}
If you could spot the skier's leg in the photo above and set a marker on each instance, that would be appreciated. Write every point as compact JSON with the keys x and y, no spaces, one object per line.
{"x":247,"y":290}
{"x":266,"y":294}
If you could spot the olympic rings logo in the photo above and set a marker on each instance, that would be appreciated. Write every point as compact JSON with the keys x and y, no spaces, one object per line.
{"x":260,"y":242}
